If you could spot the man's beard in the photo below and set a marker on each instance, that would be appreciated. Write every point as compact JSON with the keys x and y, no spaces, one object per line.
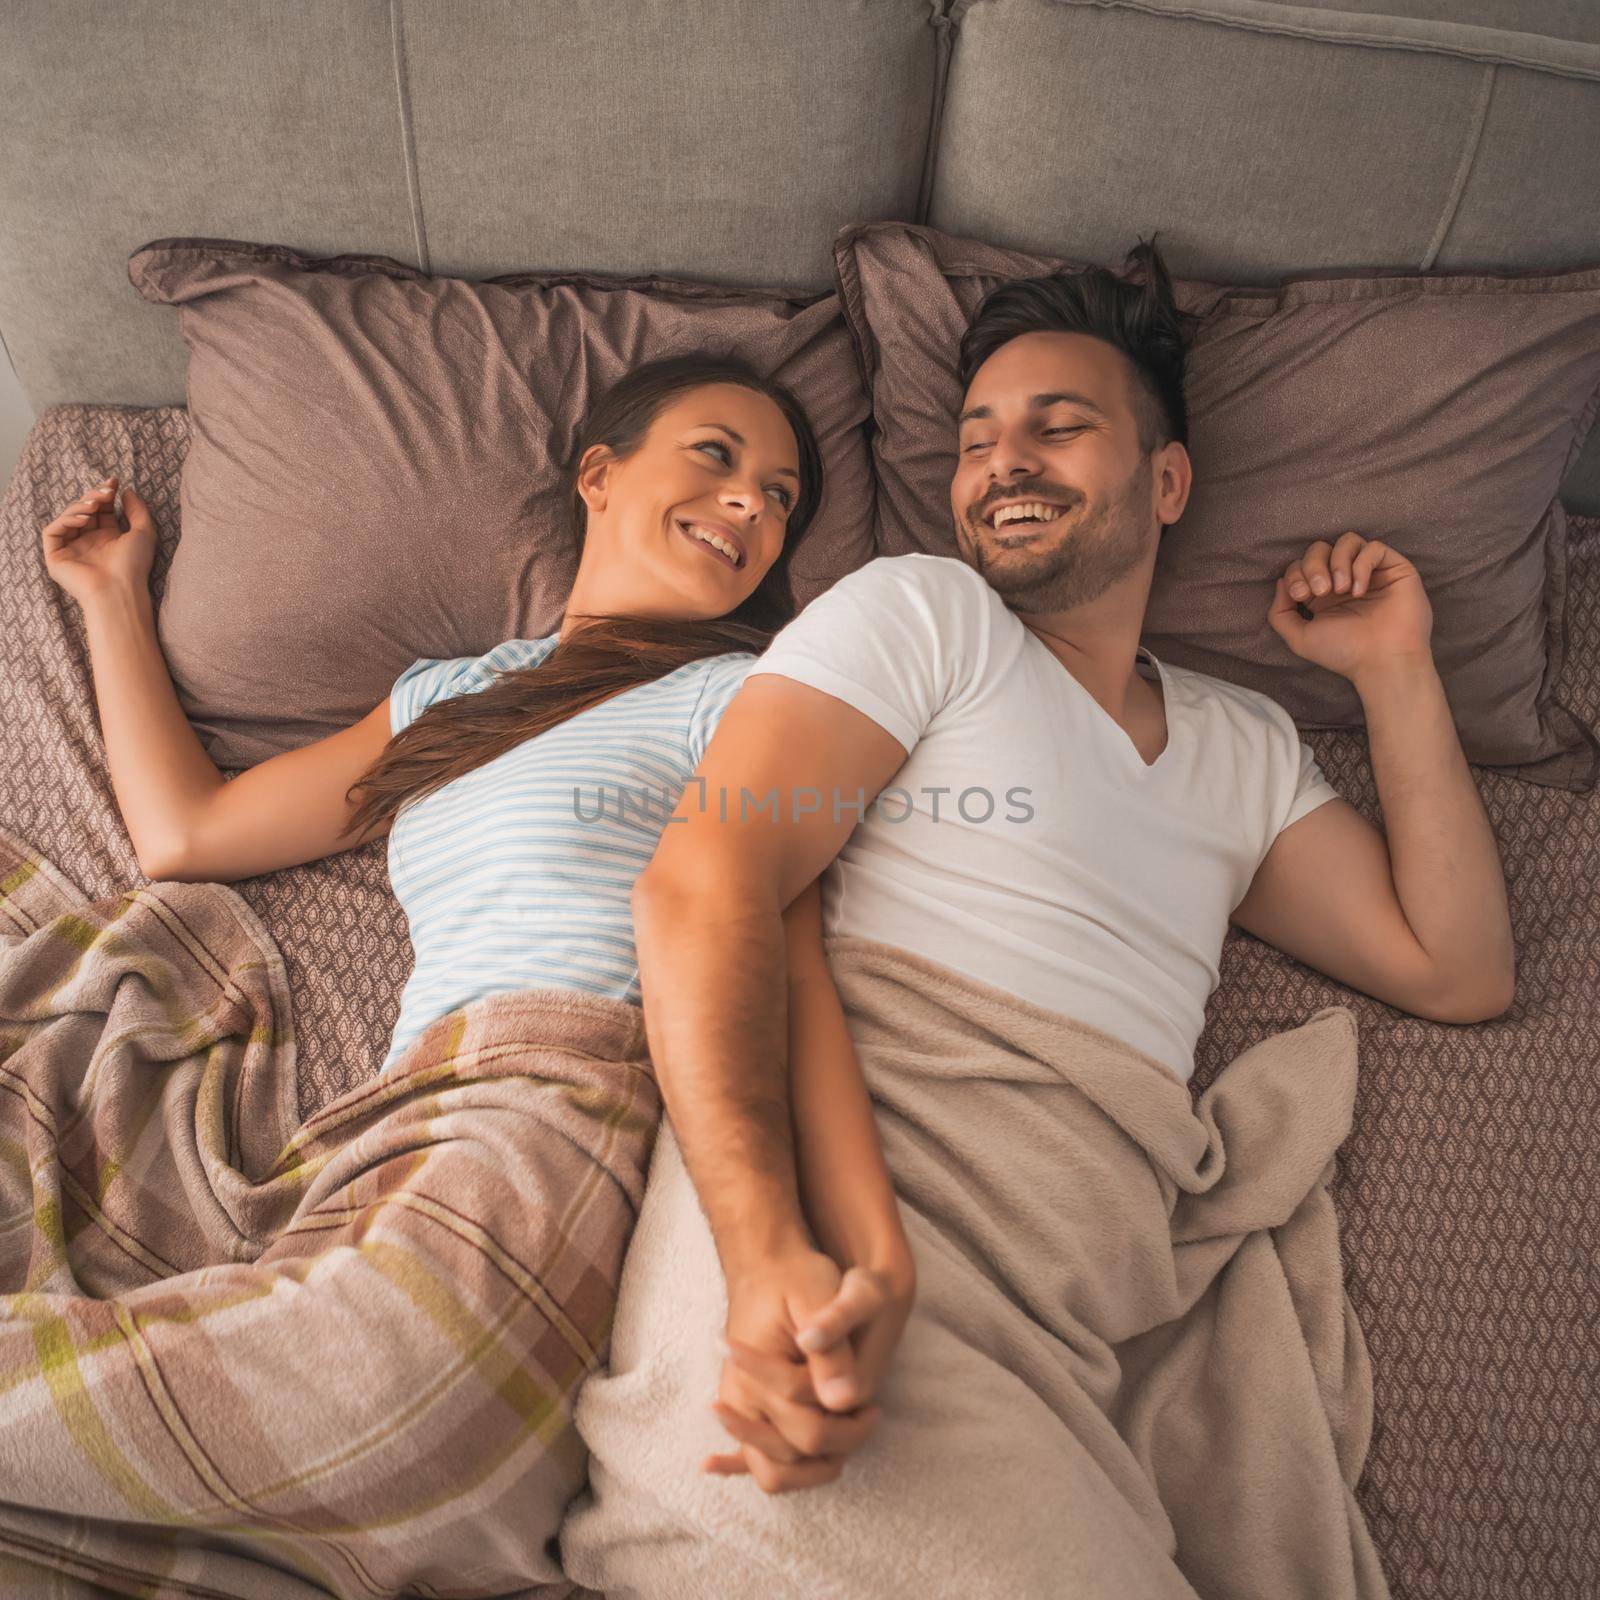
{"x":1094,"y":548}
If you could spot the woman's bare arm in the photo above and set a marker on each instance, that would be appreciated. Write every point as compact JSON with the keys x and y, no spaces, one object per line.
{"x":160,"y":773}
{"x":845,"y":1187}
{"x":185,"y":820}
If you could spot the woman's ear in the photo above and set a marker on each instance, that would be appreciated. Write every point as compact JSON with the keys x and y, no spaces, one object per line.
{"x":594,"y":475}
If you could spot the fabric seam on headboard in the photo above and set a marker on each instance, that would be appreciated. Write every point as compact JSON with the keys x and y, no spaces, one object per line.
{"x":1565,"y":58}
{"x":1469,"y":159}
{"x":408,"y":143}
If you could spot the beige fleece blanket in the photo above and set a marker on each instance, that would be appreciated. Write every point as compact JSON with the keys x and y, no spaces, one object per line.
{"x":1132,"y":1371}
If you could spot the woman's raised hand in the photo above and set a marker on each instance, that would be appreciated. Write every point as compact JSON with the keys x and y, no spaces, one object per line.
{"x":87,"y":551}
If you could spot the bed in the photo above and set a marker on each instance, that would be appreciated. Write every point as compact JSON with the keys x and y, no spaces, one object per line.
{"x":1469,"y":1191}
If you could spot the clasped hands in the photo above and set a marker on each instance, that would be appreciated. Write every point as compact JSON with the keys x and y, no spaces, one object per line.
{"x":806,"y":1346}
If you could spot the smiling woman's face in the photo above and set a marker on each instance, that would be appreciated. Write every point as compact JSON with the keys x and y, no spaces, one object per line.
{"x":689,"y":524}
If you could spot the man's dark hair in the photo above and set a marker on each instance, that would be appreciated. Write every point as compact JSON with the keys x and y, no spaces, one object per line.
{"x":1136,"y":312}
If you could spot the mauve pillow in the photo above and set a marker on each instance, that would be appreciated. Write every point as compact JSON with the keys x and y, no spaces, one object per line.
{"x":374,"y":469}
{"x":1435,"y":411}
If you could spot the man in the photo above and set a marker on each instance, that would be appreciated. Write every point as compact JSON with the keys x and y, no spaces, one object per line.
{"x":1064,"y":825}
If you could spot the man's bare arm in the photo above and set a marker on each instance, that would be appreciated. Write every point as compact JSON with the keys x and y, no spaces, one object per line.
{"x":1419,"y":919}
{"x":708,"y":923}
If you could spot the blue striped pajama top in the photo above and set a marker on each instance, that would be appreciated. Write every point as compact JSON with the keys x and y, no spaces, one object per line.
{"x":517,"y":875}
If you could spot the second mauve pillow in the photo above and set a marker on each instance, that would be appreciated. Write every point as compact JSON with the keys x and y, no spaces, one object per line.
{"x":374,"y":472}
{"x":1438,"y":412}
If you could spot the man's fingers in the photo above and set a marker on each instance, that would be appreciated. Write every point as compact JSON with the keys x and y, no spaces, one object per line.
{"x":1283,"y":614}
{"x":1369,"y":560}
{"x":805,"y":1426}
{"x":776,"y":1477}
{"x":758,"y":1432}
{"x":795,"y":1432}
{"x":1315,"y":564}
{"x":726,"y":1466}
{"x":777,"y":1375}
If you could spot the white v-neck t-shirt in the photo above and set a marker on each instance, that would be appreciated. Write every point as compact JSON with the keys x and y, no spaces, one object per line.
{"x":1025,"y":841}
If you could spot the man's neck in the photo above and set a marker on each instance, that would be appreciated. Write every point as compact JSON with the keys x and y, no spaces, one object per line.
{"x":1099,"y":652}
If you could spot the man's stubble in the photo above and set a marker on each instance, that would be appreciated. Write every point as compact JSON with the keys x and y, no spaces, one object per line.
{"x":1097,"y":546}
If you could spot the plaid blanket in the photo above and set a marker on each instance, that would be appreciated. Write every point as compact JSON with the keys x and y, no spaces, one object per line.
{"x":245,"y":1356}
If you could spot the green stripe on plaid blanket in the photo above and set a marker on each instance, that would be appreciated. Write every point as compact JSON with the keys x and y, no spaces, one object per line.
{"x":245,"y":1357}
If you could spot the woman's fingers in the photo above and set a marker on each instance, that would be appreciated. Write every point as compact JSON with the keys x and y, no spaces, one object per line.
{"x":874,"y":1352}
{"x":66,"y":527}
{"x":826,"y":1337}
{"x":135,"y":510}
{"x":77,"y":516}
{"x":862,"y":1294}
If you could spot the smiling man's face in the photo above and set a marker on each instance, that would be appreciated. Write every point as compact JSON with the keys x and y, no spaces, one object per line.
{"x":1047,"y":425}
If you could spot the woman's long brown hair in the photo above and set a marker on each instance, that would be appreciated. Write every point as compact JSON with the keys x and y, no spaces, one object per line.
{"x":611,"y":654}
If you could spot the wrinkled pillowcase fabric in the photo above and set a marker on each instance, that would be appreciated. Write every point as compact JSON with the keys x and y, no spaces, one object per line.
{"x":374,"y":474}
{"x":1438,"y":412}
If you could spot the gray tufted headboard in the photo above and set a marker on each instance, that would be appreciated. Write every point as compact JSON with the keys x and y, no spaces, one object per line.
{"x":730,"y":139}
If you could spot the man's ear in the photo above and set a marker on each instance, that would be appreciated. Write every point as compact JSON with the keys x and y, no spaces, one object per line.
{"x":1174,"y":477}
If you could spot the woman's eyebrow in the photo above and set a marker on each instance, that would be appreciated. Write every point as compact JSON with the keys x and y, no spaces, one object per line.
{"x":738,"y":438}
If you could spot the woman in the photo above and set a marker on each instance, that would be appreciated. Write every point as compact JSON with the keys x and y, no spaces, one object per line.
{"x":693,"y":481}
